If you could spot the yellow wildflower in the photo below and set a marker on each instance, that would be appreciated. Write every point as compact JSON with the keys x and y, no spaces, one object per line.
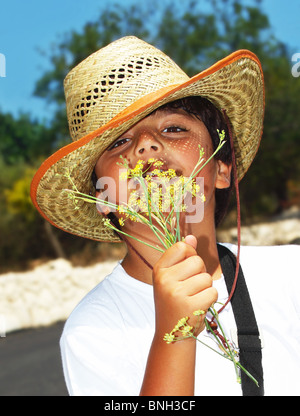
{"x":106,"y":222}
{"x":121,"y":222}
{"x":183,"y":207}
{"x":171,"y":173}
{"x":199,"y":312}
{"x":182,"y":322}
{"x":169,"y":338}
{"x":186,"y":330}
{"x":157,"y":163}
{"x":124,"y":174}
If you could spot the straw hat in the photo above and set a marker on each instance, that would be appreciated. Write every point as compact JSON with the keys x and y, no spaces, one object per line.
{"x":116,"y":87}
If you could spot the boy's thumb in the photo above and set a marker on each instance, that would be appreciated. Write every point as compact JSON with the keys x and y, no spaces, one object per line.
{"x":191,"y":240}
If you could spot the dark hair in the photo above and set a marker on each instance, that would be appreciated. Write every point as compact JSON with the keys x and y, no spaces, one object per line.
{"x":213,"y":119}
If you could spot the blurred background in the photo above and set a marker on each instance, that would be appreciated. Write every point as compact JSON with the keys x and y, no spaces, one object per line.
{"x":41,"y":41}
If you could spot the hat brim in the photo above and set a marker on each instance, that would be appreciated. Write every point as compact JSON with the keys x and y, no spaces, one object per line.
{"x":235,"y":84}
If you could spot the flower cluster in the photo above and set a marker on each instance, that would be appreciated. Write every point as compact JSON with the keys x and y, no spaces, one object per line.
{"x":159,"y":191}
{"x":183,"y":330}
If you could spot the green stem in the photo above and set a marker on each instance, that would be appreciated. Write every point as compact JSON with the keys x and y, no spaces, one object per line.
{"x":194,"y":174}
{"x":229,"y":352}
{"x":137,"y":239}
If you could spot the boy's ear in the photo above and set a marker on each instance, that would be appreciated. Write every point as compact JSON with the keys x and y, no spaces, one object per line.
{"x":101,"y":208}
{"x":223,"y":178}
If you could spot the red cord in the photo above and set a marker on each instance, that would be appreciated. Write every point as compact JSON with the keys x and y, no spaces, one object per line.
{"x":238,"y":206}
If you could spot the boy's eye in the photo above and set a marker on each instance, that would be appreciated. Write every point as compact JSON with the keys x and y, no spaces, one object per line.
{"x":118,"y":143}
{"x":174,"y":129}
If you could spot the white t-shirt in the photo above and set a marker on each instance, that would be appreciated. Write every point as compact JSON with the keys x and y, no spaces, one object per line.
{"x":107,"y":337}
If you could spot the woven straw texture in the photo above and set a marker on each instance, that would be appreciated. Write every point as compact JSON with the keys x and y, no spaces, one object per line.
{"x":116,"y":87}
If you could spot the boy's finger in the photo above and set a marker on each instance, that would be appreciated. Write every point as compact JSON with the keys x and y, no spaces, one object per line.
{"x":191,"y":240}
{"x":205,"y":298}
{"x":195,"y":284}
{"x":175,"y":254}
{"x":188,"y":267}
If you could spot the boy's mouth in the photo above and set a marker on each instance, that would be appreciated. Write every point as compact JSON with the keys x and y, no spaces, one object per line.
{"x":153,"y":171}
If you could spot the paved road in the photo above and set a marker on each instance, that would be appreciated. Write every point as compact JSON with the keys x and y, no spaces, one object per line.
{"x":30,"y":363}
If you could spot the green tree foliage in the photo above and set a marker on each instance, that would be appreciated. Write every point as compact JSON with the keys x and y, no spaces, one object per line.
{"x":23,"y":139}
{"x":18,"y":199}
{"x":23,"y":145}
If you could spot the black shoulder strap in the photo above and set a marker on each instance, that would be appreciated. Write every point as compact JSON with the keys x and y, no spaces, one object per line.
{"x":248,"y":333}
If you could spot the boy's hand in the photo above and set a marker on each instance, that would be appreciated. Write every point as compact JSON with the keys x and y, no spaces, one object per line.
{"x":181,"y":286}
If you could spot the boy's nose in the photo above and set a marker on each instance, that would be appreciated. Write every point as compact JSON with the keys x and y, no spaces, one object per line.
{"x":147,"y":145}
{"x":146,"y":148}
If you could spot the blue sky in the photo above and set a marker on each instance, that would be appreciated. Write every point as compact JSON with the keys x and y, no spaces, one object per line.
{"x":27,"y":26}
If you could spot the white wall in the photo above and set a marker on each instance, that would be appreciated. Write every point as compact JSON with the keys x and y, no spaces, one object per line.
{"x":46,"y":294}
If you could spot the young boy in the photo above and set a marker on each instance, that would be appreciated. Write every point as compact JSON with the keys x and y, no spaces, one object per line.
{"x":131,"y":100}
